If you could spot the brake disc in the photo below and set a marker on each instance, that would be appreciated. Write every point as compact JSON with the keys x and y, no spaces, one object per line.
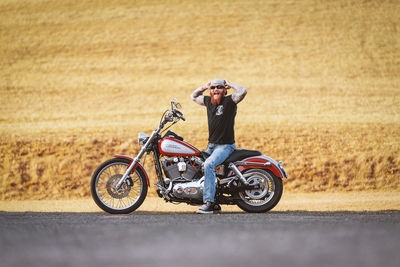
{"x":122,"y":192}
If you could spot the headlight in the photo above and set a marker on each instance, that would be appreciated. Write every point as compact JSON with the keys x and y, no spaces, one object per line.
{"x":142,"y":138}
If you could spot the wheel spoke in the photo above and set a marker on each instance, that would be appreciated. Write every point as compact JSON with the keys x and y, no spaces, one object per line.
{"x":260,"y":196}
{"x":124,"y":197}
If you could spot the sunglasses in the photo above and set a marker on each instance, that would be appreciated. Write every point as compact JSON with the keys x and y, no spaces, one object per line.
{"x":217,"y":87}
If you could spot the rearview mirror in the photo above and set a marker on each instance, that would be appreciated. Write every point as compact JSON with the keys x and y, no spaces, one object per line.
{"x":175,"y":104}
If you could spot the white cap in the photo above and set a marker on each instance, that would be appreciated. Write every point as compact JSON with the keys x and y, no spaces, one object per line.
{"x":218,"y":82}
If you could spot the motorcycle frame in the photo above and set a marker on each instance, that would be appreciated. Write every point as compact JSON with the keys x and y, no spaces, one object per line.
{"x":260,"y":162}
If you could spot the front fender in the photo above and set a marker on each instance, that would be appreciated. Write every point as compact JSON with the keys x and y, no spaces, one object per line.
{"x":263,"y":162}
{"x":138,"y":165}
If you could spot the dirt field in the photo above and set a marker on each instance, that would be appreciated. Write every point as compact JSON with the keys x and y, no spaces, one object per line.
{"x":79,"y":80}
{"x":319,"y":201}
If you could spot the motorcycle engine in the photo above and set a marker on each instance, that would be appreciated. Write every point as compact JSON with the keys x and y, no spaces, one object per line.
{"x":185,"y":174}
{"x":189,"y":189}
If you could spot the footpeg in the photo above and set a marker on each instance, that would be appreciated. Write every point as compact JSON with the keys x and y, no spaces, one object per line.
{"x":162,"y":192}
{"x":232,"y":182}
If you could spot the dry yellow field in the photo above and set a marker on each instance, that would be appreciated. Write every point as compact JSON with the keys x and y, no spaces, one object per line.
{"x":80,"y":79}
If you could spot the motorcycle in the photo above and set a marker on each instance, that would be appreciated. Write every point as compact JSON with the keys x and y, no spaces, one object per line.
{"x":246,"y":178}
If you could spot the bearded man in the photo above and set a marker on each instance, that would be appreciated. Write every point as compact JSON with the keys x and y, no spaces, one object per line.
{"x":221,"y":112}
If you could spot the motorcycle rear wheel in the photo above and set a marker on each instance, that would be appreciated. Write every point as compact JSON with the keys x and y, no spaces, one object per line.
{"x":128,"y":197}
{"x":263,"y":199}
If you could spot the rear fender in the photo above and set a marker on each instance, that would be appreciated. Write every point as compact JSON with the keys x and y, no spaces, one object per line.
{"x":138,"y":165}
{"x":262,"y":162}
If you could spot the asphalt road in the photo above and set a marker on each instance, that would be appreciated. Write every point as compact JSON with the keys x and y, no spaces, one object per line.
{"x":230,"y":239}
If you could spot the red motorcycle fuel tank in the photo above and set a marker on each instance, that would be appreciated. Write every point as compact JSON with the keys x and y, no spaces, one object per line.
{"x":173,"y":147}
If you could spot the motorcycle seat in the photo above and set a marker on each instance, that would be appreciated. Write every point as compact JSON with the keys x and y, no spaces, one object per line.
{"x":237,"y":154}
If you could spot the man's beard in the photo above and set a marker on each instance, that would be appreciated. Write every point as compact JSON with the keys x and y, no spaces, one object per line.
{"x":216,"y":101}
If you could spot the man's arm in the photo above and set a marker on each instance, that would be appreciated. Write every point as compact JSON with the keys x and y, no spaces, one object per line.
{"x":240,"y":91}
{"x":197,"y":96}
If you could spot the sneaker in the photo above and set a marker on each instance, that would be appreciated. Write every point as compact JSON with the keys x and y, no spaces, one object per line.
{"x":207,"y":208}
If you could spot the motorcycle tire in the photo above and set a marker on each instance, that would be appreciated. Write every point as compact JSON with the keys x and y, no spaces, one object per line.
{"x":131,"y":193}
{"x":253,"y":201}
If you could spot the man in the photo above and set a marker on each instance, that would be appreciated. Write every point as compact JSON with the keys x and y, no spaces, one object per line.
{"x":221,"y":112}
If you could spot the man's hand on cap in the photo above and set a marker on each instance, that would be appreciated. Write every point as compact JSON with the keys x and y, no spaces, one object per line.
{"x":228,"y":85}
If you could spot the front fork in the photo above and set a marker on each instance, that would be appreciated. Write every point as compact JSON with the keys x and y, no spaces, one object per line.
{"x":136,"y":160}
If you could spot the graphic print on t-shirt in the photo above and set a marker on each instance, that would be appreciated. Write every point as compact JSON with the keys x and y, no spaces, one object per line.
{"x":220,"y":110}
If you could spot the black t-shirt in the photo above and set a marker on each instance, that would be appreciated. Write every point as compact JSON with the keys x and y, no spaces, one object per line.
{"x":221,"y":120}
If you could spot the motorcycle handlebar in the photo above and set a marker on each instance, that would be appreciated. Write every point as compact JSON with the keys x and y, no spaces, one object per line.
{"x":169,"y":117}
{"x":179,"y":114}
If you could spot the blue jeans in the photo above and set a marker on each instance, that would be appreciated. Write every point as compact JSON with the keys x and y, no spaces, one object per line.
{"x":218,"y":154}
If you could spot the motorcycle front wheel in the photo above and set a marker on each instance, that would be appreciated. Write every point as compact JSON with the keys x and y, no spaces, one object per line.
{"x":266,"y":197}
{"x":123,"y":200}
